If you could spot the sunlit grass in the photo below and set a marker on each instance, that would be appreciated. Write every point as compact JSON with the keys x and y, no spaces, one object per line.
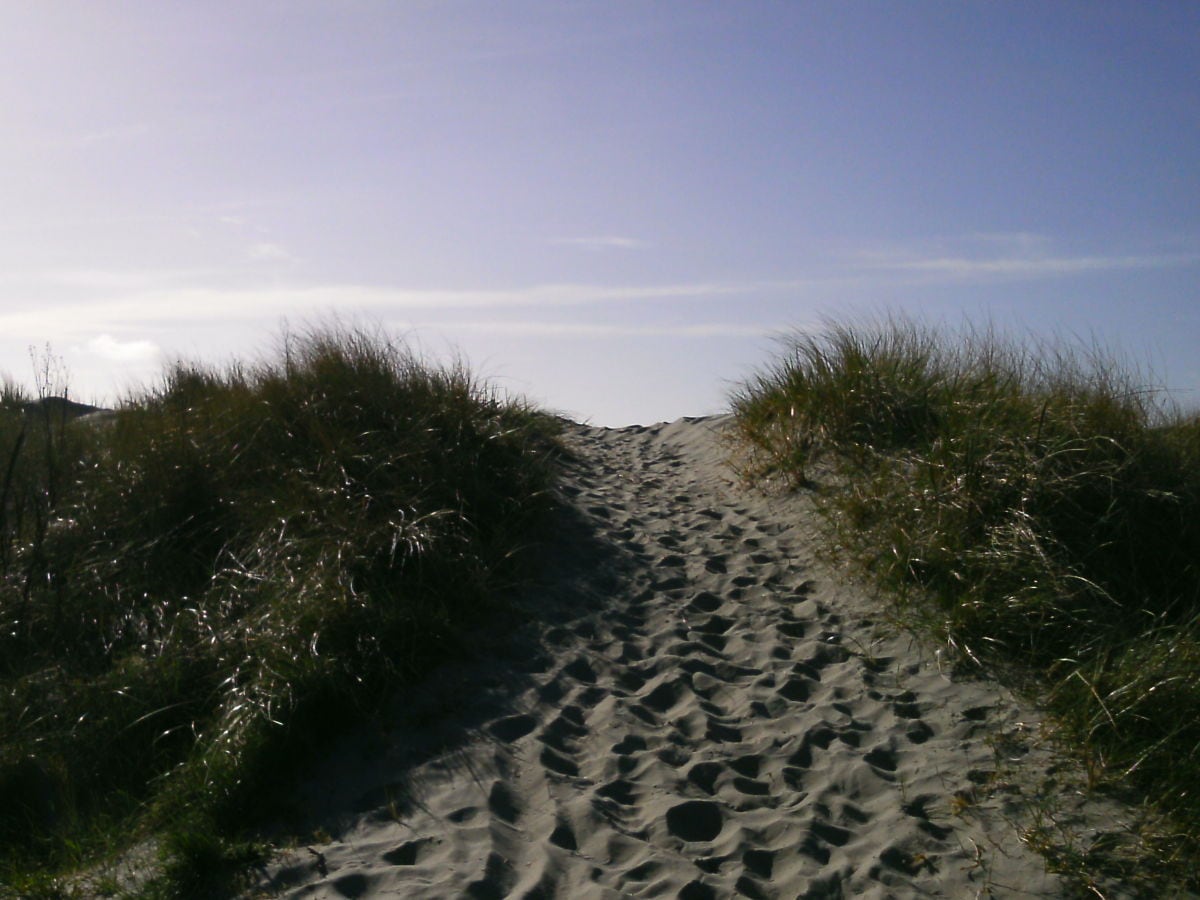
{"x":1035,"y":506}
{"x":237,"y":565}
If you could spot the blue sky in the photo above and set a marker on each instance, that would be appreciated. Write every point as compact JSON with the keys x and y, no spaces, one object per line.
{"x":611,"y":207}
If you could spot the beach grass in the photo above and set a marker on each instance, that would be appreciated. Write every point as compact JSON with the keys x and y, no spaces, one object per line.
{"x":1036,"y":507}
{"x":199,"y":589}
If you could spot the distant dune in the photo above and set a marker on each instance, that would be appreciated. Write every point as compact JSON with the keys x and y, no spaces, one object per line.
{"x":61,"y":407}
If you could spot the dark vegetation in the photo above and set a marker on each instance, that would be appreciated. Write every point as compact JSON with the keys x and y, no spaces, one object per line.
{"x":197,"y":590}
{"x":1038,"y":510}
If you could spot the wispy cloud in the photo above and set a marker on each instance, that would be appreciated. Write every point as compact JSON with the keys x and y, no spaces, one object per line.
{"x":109,"y":347}
{"x":76,"y":305}
{"x":270,"y":251}
{"x":601,"y":242}
{"x":983,"y":257}
{"x":1038,"y":267}
{"x":170,"y":304}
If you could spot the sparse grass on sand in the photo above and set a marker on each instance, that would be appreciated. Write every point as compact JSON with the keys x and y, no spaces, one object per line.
{"x":1037,"y":509}
{"x":234,"y":567}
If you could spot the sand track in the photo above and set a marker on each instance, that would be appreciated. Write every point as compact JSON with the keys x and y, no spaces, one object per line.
{"x":701,"y":711}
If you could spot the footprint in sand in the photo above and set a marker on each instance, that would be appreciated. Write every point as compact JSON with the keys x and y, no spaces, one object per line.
{"x":695,"y":821}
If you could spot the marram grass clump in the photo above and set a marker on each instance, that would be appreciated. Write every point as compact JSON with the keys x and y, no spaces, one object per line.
{"x":1034,"y":505}
{"x":234,"y":566}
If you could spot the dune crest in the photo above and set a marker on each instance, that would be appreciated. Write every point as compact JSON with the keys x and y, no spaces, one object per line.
{"x":702,"y":710}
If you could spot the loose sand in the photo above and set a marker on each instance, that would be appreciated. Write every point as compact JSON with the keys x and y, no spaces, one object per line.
{"x":701,"y":709}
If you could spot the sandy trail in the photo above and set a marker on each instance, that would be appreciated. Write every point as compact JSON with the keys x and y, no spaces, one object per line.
{"x":702,"y":710}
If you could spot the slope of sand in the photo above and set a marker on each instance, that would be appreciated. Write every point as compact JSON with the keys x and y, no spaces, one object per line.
{"x":700,"y":710}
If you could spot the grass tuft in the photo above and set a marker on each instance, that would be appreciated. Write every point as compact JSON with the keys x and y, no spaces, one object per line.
{"x":1035,"y":506}
{"x":238,"y":563}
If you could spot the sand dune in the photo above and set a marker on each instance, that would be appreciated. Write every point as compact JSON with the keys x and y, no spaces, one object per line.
{"x":701,"y":710}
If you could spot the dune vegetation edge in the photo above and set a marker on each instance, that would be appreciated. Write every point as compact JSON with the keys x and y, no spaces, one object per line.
{"x":200,"y":587}
{"x":1035,"y":507}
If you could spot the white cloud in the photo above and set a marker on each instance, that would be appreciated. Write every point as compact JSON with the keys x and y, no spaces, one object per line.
{"x":119,"y":300}
{"x":110,"y":348}
{"x":986,"y":256}
{"x":269,"y":251}
{"x":1037,"y":267}
{"x":169,"y":305}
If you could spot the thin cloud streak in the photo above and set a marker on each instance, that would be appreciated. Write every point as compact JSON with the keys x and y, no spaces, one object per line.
{"x":174,"y":305}
{"x":270,"y":251}
{"x":120,"y":301}
{"x":108,"y":347}
{"x":983,"y":257}
{"x":963,"y":268}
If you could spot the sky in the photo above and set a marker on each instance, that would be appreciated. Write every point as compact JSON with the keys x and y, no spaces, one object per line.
{"x":612,"y":207}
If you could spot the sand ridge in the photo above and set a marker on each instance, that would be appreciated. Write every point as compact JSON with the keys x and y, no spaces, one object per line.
{"x":701,"y":710}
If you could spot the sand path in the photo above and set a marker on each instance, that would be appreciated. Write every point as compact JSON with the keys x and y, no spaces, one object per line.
{"x":702,"y":710}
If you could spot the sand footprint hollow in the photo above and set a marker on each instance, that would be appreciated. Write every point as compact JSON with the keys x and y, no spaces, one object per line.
{"x":698,"y":709}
